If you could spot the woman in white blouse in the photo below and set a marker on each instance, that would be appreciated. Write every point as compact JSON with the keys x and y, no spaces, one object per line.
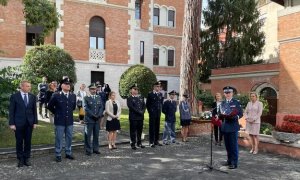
{"x":113,"y":111}
{"x":253,"y":113}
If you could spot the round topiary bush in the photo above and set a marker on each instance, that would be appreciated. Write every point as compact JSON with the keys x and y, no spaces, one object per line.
{"x":49,"y":61}
{"x":139,"y":74}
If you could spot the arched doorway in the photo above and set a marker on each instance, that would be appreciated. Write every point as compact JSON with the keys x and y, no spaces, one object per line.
{"x":270,"y":95}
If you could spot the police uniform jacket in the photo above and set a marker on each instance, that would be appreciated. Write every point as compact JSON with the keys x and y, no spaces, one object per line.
{"x":136,"y":107}
{"x":62,"y":108}
{"x":169,"y":109}
{"x":93,"y":108}
{"x":232,"y":124}
{"x":154,"y":104}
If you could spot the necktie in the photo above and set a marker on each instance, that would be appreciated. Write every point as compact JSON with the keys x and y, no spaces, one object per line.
{"x":93,"y":96}
{"x":25,"y":100}
{"x":66,"y":95}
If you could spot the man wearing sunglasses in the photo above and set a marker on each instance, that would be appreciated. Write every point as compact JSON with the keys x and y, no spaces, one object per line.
{"x":231,"y":112}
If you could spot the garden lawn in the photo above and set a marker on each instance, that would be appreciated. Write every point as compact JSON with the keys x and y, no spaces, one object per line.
{"x":125,"y":122}
{"x":42,"y":135}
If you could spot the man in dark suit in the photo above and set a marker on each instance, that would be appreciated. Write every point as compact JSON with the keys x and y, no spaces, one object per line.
{"x":136,"y":106}
{"x":93,"y":107}
{"x":23,"y":119}
{"x":231,"y":112}
{"x":154,"y":105}
{"x":62,"y":104}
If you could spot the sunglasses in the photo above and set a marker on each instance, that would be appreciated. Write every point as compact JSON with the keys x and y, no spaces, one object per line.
{"x":227,"y":92}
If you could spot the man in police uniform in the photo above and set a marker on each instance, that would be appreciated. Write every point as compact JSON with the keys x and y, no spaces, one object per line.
{"x":137,"y":108}
{"x":231,"y":126}
{"x":62,"y":104}
{"x":154,"y":105}
{"x":93,"y":107}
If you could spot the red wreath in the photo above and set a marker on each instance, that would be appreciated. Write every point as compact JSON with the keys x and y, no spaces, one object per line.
{"x":216,"y":121}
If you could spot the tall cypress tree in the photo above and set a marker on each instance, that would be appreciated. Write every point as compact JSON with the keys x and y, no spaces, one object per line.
{"x":238,"y":20}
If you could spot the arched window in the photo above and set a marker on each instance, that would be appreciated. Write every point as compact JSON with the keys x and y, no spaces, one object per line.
{"x":97,"y":33}
{"x":163,"y":56}
{"x":163,"y":16}
{"x":171,"y":56}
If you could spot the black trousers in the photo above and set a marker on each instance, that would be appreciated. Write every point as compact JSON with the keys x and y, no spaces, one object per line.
{"x":23,"y":136}
{"x":136,"y":129}
{"x":154,"y":124}
{"x":41,"y":102}
{"x":218,"y":133}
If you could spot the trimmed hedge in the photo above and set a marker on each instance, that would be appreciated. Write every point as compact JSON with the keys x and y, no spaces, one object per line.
{"x":49,"y":61}
{"x":139,"y":74}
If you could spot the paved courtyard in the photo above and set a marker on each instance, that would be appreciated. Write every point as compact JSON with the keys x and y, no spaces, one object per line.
{"x":178,"y":161}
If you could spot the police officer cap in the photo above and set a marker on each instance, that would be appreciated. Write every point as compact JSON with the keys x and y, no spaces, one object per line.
{"x":228,"y":89}
{"x":134,"y":86}
{"x":66,"y":81}
{"x":172,"y":92}
{"x":157,"y":83}
{"x":185,"y":95}
{"x":92,"y":86}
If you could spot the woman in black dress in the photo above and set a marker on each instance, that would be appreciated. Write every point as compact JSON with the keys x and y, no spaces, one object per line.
{"x":113,"y":110}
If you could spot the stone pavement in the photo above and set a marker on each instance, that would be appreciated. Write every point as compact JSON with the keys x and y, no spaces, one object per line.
{"x":176,"y":161}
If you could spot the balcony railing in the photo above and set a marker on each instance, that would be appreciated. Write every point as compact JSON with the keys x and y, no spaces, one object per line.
{"x":97,"y":55}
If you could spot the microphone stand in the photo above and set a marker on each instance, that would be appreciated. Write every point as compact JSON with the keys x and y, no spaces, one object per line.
{"x":209,"y":167}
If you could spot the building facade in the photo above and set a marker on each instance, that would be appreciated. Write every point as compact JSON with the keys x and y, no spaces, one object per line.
{"x":104,"y":37}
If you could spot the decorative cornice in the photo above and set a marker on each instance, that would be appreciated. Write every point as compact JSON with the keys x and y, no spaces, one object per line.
{"x":245,"y":75}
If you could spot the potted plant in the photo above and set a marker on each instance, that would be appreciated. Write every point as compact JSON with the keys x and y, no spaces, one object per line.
{"x":289,"y":131}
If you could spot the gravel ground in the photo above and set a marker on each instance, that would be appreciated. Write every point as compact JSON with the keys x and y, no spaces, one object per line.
{"x":176,"y":161}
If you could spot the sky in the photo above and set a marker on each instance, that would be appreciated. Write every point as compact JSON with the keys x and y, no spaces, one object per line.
{"x":204,"y":5}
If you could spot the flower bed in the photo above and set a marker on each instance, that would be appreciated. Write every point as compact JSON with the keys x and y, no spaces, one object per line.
{"x":291,"y":124}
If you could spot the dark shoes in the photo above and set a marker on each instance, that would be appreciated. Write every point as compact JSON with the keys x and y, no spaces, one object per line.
{"x":152,"y":145}
{"x":58,"y":158}
{"x":141,"y":146}
{"x":157,"y":144}
{"x":225,"y":164}
{"x":27,"y":162}
{"x":96,"y":152}
{"x":20,"y":163}
{"x":70,"y":157}
{"x":166,"y":143}
{"x":46,"y":116}
{"x":232,"y":166}
{"x":133,"y":147}
{"x":88,"y":153}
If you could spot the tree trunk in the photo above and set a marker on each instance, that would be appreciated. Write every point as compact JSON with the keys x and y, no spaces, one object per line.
{"x":190,"y":50}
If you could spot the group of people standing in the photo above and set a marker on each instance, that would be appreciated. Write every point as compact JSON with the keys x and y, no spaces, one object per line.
{"x":97,"y":105}
{"x":229,"y":112}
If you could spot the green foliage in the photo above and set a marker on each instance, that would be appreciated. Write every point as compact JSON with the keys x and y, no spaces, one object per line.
{"x":41,"y":13}
{"x":3,"y":2}
{"x":243,"y":39}
{"x":140,"y":74}
{"x":266,"y":128}
{"x":9,"y":82}
{"x":206,"y":97}
{"x":49,"y":61}
{"x":244,"y":99}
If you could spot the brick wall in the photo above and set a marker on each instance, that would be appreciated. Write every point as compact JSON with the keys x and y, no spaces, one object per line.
{"x":244,"y":78}
{"x":76,"y":32}
{"x":289,"y":26}
{"x":12,"y":30}
{"x":168,"y":41}
{"x":289,"y":84}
